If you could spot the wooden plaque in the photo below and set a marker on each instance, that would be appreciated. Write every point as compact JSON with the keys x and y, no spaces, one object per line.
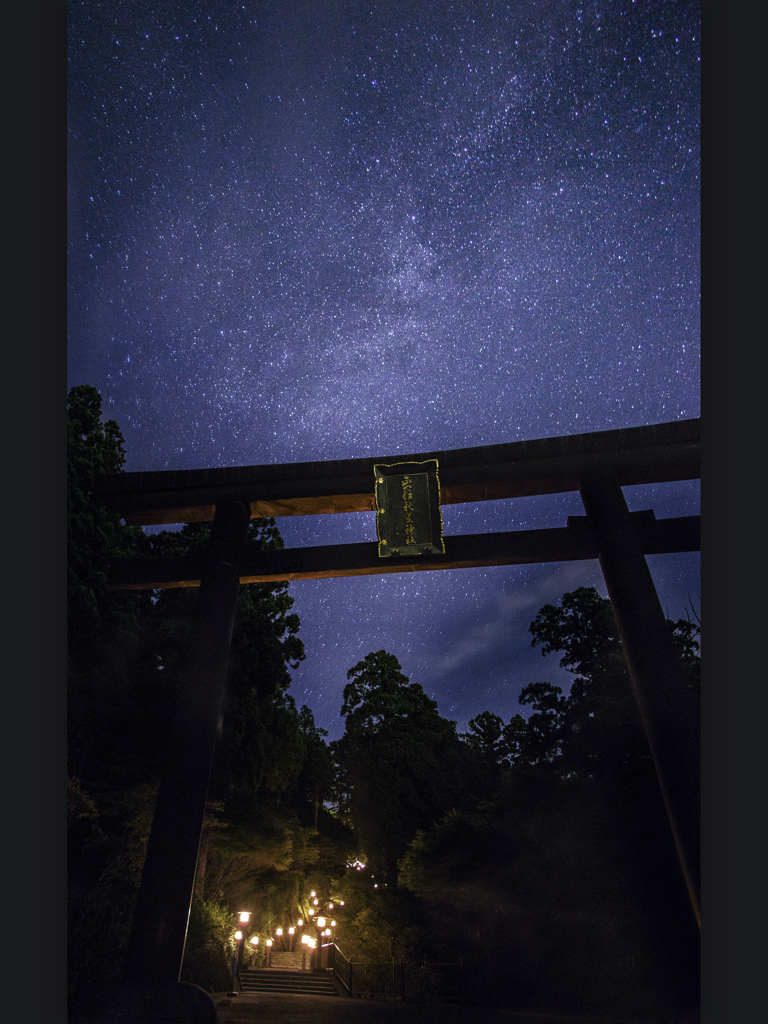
{"x":408,"y":519}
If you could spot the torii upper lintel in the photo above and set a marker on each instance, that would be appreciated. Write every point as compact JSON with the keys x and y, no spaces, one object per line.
{"x":637,"y":455}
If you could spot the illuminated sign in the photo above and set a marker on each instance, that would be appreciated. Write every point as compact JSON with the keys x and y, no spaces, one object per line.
{"x":408,"y":519}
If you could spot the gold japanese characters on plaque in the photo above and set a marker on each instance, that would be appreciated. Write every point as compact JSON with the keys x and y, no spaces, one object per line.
{"x":408,"y":519}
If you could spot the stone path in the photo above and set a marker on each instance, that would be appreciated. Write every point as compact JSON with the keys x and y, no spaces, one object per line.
{"x":279,"y":1009}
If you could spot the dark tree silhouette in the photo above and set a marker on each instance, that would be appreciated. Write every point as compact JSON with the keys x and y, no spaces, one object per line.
{"x":399,"y":759}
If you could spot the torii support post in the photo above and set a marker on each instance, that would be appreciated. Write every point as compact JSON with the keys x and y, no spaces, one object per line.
{"x":658,"y":678}
{"x":156,"y":945}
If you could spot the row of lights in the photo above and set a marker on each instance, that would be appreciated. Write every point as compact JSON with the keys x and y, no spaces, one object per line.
{"x":323,"y":925}
{"x":320,"y":923}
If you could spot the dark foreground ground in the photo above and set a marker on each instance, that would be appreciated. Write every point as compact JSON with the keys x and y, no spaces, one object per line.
{"x":265,"y":1008}
{"x":186,"y":1004}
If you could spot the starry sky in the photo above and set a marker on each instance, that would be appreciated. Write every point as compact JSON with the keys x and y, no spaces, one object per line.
{"x":324,"y":229}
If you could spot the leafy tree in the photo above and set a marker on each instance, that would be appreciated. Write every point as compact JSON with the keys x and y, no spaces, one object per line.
{"x":318,"y":772}
{"x":260,"y":743}
{"x":567,"y":863}
{"x":471,"y":869}
{"x":581,"y":626}
{"x":269,"y":842}
{"x":93,"y":533}
{"x":209,"y":934}
{"x":686,"y":634}
{"x":540,"y":744}
{"x":528,"y":889}
{"x":101,"y":890}
{"x":596,"y":729}
{"x":379,"y":921}
{"x":598,"y":720}
{"x":486,"y":734}
{"x":379,"y":695}
{"x":499,"y":747}
{"x":604,"y":752}
{"x":106,"y":816}
{"x":102,"y":628}
{"x":399,"y":758}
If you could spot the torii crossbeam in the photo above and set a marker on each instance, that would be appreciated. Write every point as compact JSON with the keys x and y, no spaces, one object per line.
{"x":637,"y":455}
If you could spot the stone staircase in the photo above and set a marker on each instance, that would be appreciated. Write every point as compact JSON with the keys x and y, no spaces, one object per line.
{"x":287,"y":979}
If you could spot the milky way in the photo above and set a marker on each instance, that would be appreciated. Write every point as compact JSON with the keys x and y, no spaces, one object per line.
{"x":320,"y":230}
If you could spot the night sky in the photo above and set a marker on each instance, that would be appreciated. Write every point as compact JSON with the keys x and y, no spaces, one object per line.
{"x":323,"y":230}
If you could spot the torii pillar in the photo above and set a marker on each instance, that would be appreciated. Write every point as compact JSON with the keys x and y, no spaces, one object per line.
{"x":658,"y":678}
{"x":156,"y":945}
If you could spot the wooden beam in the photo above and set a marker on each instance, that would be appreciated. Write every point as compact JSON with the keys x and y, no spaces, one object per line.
{"x":519,"y":547}
{"x":661,"y":684}
{"x":636,"y":455}
{"x":155,"y":948}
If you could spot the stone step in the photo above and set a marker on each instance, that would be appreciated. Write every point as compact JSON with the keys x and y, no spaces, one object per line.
{"x":288,"y":982}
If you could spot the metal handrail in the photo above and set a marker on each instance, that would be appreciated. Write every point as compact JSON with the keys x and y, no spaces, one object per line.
{"x":399,"y":979}
{"x":342,"y":968}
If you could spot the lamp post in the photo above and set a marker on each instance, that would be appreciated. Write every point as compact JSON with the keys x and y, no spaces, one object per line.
{"x":233,"y":964}
{"x":243,"y":917}
{"x":320,"y":926}
{"x":311,"y":944}
{"x":324,"y":930}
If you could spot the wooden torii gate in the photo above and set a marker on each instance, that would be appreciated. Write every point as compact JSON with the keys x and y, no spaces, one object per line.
{"x":597,"y":464}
